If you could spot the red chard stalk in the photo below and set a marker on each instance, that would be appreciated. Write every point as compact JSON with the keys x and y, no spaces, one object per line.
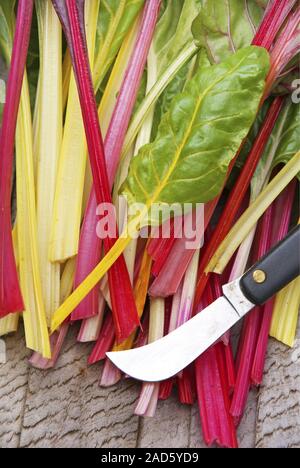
{"x":10,"y":293}
{"x":105,"y":341}
{"x":90,"y":245}
{"x":71,"y":14}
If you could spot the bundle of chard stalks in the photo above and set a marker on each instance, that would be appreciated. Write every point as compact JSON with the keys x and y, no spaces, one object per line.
{"x":148,"y":102}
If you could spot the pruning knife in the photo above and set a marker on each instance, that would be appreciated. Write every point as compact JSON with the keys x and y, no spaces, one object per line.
{"x":169,"y":355}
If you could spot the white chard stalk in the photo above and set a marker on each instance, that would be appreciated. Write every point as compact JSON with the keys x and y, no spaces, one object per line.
{"x":49,"y":137}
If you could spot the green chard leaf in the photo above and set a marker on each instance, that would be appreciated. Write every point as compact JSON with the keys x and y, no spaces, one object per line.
{"x":173,"y":34}
{"x":227,"y":26}
{"x":200,"y":134}
{"x":290,"y":138}
{"x":115,"y":20}
{"x":282,"y":145}
{"x":6,"y":42}
{"x":253,"y":133}
{"x":6,"y":28}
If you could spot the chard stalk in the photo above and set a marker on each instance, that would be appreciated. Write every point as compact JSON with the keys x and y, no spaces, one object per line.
{"x":274,"y":17}
{"x":34,"y":316}
{"x":57,"y":339}
{"x":89,"y":249}
{"x":117,"y":130}
{"x":251,"y":327}
{"x":67,"y":211}
{"x":49,"y":136}
{"x":285,"y":314}
{"x":143,"y":138}
{"x":147,"y":403}
{"x":250,"y":217}
{"x":282,"y":210}
{"x":110,"y":375}
{"x":9,"y":324}
{"x":286,"y":47}
{"x":186,"y":384}
{"x":10,"y":295}
{"x":104,"y":341}
{"x":71,"y":15}
{"x":213,"y":392}
{"x":91,"y":327}
{"x":25,"y":236}
{"x":140,"y":295}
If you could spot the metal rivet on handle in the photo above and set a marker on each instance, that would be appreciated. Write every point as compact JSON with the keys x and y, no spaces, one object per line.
{"x":259,"y":276}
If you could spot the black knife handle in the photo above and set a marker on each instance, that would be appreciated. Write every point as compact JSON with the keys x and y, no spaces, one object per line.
{"x":274,"y":271}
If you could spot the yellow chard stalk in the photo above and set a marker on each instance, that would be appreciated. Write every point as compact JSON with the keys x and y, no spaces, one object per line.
{"x":286,"y":312}
{"x":9,"y":324}
{"x":49,"y":135}
{"x":36,"y":331}
{"x":250,"y":217}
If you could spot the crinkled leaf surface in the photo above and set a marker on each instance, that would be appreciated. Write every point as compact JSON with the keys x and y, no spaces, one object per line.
{"x":223,"y":27}
{"x":201,"y":133}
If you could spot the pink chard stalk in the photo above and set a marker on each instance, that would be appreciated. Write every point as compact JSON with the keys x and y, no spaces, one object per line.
{"x":285,"y":48}
{"x":275,"y":15}
{"x":282,"y":212}
{"x":252,"y":324}
{"x":10,"y":293}
{"x":213,"y":391}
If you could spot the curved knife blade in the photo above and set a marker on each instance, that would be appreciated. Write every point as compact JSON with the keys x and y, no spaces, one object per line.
{"x":168,"y":356}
